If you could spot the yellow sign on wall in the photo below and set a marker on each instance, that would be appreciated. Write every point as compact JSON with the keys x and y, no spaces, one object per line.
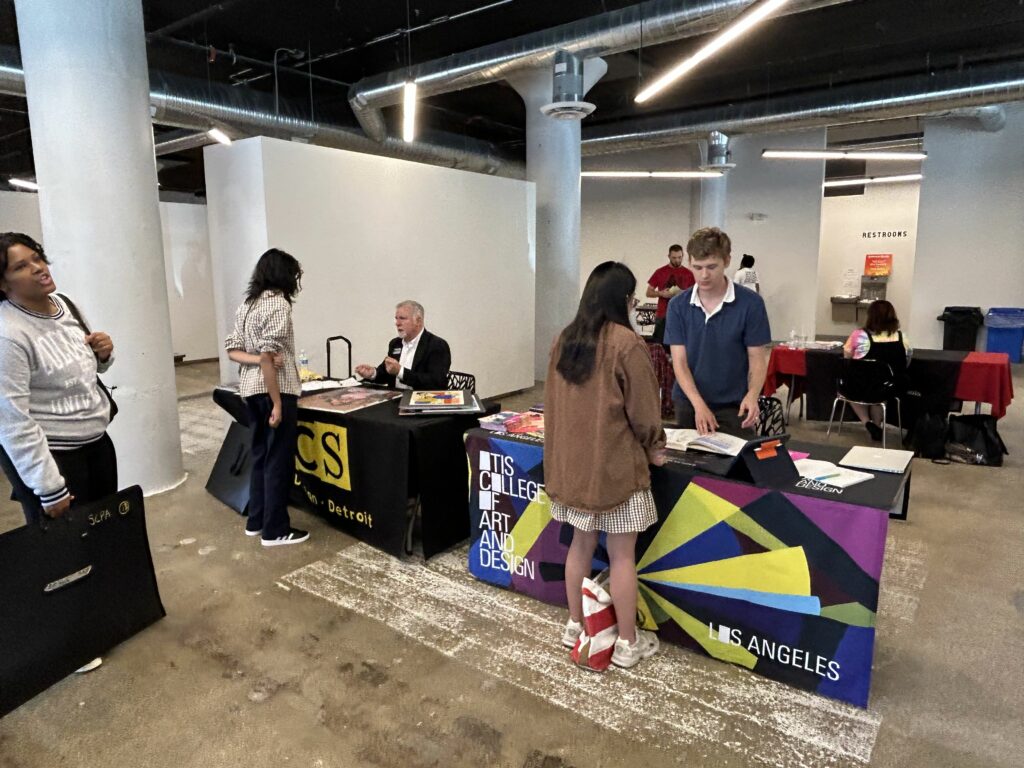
{"x":322,"y":451}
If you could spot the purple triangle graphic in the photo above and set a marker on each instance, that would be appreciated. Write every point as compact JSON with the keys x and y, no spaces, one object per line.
{"x":860,"y":531}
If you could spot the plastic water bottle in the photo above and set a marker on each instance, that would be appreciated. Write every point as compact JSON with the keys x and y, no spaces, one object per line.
{"x":303,"y":363}
{"x":792,"y":338}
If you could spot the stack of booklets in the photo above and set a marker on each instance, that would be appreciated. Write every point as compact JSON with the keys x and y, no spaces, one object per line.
{"x":417,"y":402}
{"x":830,"y":474}
{"x":512,"y":423}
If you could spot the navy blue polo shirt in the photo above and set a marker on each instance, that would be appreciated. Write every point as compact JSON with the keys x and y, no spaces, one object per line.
{"x":716,"y":346}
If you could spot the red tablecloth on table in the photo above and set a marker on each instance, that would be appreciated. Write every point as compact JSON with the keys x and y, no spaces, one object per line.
{"x":783,"y":365}
{"x":985,"y":378}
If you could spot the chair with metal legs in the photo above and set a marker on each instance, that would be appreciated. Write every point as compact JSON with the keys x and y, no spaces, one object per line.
{"x":867,"y":383}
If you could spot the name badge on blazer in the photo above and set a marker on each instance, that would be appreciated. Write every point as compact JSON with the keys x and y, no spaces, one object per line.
{"x":396,"y":352}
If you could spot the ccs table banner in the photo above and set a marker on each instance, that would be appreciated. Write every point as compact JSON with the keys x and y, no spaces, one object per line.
{"x":783,"y":584}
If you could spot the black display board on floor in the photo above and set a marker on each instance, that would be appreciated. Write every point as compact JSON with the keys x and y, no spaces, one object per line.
{"x":71,"y":591}
{"x":360,"y":469}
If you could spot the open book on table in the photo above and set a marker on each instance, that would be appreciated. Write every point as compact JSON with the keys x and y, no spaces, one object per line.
{"x":830,"y":474}
{"x":717,"y":442}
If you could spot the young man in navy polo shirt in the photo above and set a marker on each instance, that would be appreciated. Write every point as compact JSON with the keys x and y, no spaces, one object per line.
{"x":717,"y":331}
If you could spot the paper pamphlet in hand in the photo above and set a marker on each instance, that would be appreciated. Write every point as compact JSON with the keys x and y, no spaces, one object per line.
{"x":440,"y":399}
{"x":830,"y":474}
{"x":716,"y":442}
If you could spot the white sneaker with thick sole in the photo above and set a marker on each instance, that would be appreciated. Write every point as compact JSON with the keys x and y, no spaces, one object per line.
{"x":571,"y":633}
{"x":628,"y":655}
{"x":90,"y":666}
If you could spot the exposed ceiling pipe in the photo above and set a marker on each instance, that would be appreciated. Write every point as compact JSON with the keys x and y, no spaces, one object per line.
{"x":180,"y":141}
{"x":863,"y":102}
{"x":197,"y":105}
{"x":991,"y":118}
{"x":650,"y":23}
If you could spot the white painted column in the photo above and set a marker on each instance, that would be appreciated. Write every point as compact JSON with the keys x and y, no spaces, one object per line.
{"x":87,"y":85}
{"x":553,"y":163}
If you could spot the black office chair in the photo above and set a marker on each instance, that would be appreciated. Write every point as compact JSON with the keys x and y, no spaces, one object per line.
{"x":772,"y":420}
{"x":459,"y":380}
{"x":866,"y":382}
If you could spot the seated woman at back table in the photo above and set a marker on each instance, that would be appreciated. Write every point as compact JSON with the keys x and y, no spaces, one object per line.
{"x":879,"y":339}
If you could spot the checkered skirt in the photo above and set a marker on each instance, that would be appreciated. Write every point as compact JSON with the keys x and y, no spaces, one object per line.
{"x":635,"y":514}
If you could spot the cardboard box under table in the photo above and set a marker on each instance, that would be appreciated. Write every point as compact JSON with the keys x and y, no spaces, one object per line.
{"x":782,"y":581}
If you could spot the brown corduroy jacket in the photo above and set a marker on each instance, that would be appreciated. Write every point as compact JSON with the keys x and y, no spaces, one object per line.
{"x":598,"y":435}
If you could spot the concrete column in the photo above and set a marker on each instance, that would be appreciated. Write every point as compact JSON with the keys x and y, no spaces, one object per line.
{"x":553,"y":163}
{"x":87,"y":86}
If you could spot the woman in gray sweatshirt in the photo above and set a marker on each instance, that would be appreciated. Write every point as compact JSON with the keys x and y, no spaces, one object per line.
{"x":53,"y":415}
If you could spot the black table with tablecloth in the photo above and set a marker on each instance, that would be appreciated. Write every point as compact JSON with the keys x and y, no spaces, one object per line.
{"x":360,"y":470}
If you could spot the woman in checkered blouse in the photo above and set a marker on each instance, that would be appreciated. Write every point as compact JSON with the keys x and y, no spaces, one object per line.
{"x":262,"y":342}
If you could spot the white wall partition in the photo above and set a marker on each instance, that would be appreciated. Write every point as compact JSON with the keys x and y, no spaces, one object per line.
{"x":773,"y":211}
{"x":371,"y":231}
{"x":186,"y":262}
{"x":882,"y":220}
{"x":970,"y":243}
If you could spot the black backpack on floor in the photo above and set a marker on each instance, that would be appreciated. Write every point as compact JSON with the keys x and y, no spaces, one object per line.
{"x":974,"y":439}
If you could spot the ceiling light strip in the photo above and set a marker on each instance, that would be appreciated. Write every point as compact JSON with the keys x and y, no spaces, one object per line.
{"x":839,"y":154}
{"x":735,"y":30}
{"x":873,"y":180}
{"x":651,"y":174}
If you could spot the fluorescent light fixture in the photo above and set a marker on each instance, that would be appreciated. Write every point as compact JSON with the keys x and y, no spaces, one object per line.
{"x":218,"y":135}
{"x":24,"y":184}
{"x":409,"y":112}
{"x":652,"y":174}
{"x":739,"y":27}
{"x":841,"y":154}
{"x":873,"y":180}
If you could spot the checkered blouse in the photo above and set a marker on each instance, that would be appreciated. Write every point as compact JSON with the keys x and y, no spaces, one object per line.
{"x":265,"y":325}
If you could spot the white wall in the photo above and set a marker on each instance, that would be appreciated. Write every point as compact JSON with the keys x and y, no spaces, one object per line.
{"x":371,"y":231}
{"x":785,"y":243}
{"x":883,"y":208}
{"x":186,"y":261}
{"x":634,"y":220}
{"x":970,"y":243}
{"x":189,"y":280}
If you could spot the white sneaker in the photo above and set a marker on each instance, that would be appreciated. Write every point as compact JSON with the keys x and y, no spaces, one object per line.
{"x":630,"y":654}
{"x":90,"y":666}
{"x":571,"y":633}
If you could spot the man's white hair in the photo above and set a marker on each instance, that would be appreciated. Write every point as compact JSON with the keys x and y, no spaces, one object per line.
{"x":415,"y":306}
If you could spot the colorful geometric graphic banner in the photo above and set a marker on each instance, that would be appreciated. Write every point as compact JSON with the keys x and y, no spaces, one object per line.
{"x":782,"y":584}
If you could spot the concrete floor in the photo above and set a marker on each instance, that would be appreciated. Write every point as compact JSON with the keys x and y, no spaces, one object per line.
{"x":275,"y":657}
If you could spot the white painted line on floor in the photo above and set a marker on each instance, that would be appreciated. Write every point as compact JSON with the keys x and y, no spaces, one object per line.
{"x":675,"y":698}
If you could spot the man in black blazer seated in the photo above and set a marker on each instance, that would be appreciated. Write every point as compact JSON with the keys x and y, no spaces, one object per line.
{"x":417,"y":359}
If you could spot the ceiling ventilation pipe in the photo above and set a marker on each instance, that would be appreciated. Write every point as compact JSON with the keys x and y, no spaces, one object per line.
{"x":567,"y":89}
{"x":650,"y":23}
{"x":913,"y":96}
{"x":196,"y":105}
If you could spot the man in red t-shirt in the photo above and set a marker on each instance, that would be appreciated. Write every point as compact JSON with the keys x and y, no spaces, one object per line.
{"x":666,"y":282}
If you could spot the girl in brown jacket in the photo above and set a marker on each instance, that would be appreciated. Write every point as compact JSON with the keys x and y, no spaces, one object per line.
{"x":602,"y":429}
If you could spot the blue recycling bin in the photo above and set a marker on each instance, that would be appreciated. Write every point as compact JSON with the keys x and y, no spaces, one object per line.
{"x":1005,"y":331}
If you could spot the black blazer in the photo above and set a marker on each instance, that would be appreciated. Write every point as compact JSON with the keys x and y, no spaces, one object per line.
{"x":430,"y":364}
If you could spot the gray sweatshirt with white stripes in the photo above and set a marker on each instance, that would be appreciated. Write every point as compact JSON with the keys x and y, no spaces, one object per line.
{"x":49,"y":398}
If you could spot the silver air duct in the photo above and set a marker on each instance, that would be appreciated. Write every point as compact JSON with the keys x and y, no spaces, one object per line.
{"x":650,"y":23}
{"x":912,"y":96}
{"x":198,"y":106}
{"x":718,"y":153}
{"x":567,"y":89}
